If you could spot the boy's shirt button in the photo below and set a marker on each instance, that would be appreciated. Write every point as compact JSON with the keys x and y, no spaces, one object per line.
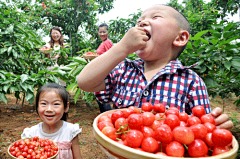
{"x":145,"y":93}
{"x":119,"y":101}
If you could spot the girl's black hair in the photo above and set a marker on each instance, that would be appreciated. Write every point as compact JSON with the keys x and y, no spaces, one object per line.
{"x":103,"y":25}
{"x":60,"y":90}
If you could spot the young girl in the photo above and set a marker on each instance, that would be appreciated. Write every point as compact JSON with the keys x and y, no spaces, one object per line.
{"x":52,"y":106}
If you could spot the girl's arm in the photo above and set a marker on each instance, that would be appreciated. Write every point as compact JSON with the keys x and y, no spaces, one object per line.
{"x":76,"y":148}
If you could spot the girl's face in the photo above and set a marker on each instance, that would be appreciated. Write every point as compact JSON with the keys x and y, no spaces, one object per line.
{"x":51,"y":107}
{"x":55,"y":34}
{"x":103,"y":33}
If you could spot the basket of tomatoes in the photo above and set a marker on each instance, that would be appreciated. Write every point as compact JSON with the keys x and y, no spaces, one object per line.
{"x":90,"y":55}
{"x":46,"y":50}
{"x":153,"y":132}
{"x":33,"y":148}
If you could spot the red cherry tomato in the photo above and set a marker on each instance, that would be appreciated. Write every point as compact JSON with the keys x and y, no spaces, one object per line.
{"x":121,"y":125}
{"x":135,"y":121}
{"x":147,"y":132}
{"x":183,"y":135}
{"x":207,"y":118}
{"x":197,"y":148}
{"x":110,"y":132}
{"x":193,"y":120}
{"x":103,"y":124}
{"x":199,"y":130}
{"x":148,"y":118}
{"x":164,"y":134}
{"x":147,"y":107}
{"x":104,"y":118}
{"x":172,"y":120}
{"x":198,"y":111}
{"x":175,"y":149}
{"x":159,"y":107}
{"x":117,"y":114}
{"x":134,"y":138}
{"x":217,"y":150}
{"x":149,"y":144}
{"x":221,"y":137}
{"x":183,"y":117}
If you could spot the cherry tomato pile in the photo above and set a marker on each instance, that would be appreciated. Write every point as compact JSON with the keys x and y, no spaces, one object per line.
{"x":45,"y":48}
{"x":166,"y":132}
{"x":90,"y":53}
{"x":34,"y":148}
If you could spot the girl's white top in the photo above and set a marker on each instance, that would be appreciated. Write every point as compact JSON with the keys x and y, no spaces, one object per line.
{"x":66,"y":133}
{"x":63,"y":137}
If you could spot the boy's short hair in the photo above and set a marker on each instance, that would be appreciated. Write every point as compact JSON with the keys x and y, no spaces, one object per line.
{"x":183,"y":23}
{"x":103,"y":25}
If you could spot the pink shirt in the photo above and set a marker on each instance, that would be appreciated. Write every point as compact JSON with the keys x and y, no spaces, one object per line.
{"x":105,"y":46}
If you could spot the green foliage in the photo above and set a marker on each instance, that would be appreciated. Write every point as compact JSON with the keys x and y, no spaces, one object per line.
{"x":214,"y":45}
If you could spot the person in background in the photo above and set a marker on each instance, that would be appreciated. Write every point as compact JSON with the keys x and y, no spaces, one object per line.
{"x":160,"y":36}
{"x":103,"y":35}
{"x":52,"y":106}
{"x":56,"y":42}
{"x":103,"y":47}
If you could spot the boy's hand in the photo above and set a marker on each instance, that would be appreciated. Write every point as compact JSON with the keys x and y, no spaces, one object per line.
{"x":134,"y":40}
{"x":222,"y":120}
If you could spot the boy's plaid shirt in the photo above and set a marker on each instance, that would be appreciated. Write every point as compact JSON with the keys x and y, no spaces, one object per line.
{"x":174,"y":86}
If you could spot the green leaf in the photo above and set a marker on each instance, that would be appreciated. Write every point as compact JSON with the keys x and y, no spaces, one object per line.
{"x":214,"y":41}
{"x":15,"y":54}
{"x":9,"y":50}
{"x":24,"y":77}
{"x":236,"y":64}
{"x":2,"y":76}
{"x":3,"y":97}
{"x":5,"y":88}
{"x":29,"y":95}
{"x":197,"y":43}
{"x":76,"y":96}
{"x":13,"y":89}
{"x":199,"y":34}
{"x":77,"y":70}
{"x":210,"y":82}
{"x":3,"y":50}
{"x":227,"y":64}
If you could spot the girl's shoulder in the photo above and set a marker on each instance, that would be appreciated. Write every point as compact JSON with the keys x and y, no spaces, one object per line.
{"x":74,"y":129}
{"x":31,"y":131}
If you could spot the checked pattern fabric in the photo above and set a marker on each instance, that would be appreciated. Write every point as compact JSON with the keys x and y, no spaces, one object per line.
{"x":173,"y":86}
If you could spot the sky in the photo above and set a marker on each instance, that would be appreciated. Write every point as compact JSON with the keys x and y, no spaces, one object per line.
{"x":123,"y":8}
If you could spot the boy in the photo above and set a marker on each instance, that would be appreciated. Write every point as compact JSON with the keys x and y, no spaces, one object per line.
{"x":158,"y":39}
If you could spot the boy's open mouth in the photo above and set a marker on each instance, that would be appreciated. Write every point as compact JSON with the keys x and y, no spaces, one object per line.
{"x":149,"y":36}
{"x":147,"y":33}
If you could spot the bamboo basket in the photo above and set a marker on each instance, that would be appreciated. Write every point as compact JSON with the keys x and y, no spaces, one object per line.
{"x":115,"y":150}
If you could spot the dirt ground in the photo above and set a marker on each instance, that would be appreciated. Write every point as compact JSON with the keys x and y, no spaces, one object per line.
{"x":14,"y":120}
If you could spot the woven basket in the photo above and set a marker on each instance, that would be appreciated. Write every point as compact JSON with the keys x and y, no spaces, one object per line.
{"x":90,"y":57}
{"x":13,"y":157}
{"x":46,"y":51}
{"x":120,"y":151}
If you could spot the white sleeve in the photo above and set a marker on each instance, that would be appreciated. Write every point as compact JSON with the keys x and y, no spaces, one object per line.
{"x":75,"y":130}
{"x":27,"y":133}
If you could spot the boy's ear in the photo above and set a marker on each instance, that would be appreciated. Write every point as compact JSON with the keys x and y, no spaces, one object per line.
{"x":66,"y":110}
{"x":181,"y":39}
